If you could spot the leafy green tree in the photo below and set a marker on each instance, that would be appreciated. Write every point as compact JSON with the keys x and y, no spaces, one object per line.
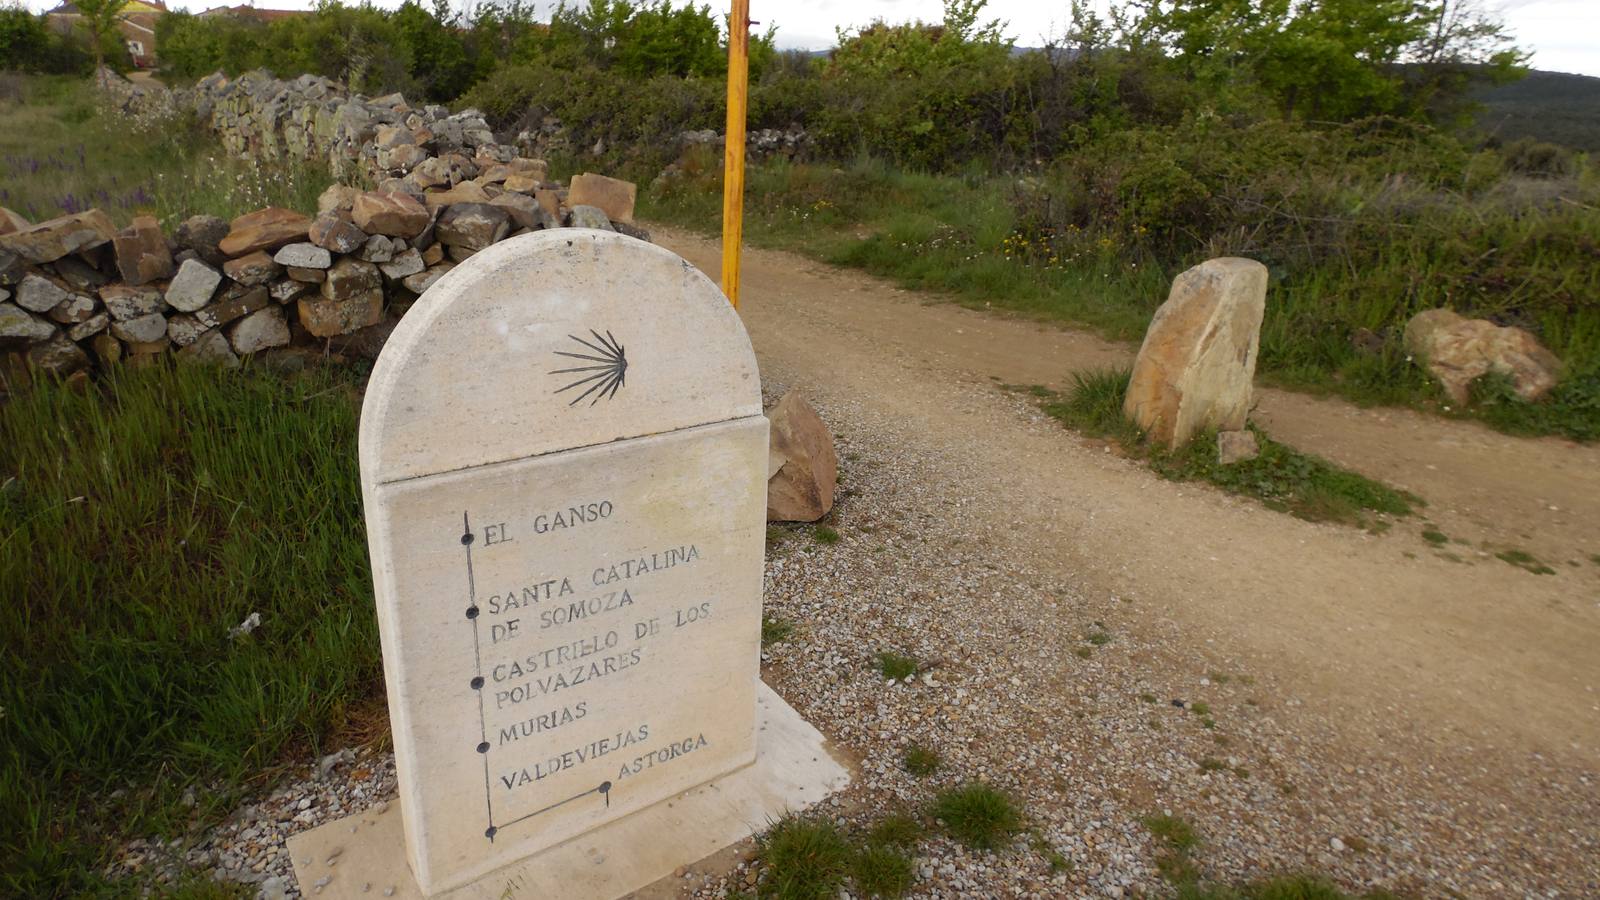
{"x":24,"y":40}
{"x":100,"y":19}
{"x":1331,"y":59}
{"x":439,"y":62}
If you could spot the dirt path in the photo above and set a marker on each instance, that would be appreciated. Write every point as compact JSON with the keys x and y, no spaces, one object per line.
{"x":1472,"y":655}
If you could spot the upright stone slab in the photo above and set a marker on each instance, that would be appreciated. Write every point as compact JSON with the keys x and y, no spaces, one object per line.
{"x":564,"y":466}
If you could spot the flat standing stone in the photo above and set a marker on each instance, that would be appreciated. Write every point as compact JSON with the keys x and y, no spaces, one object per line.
{"x":612,"y":196}
{"x":193,"y":286}
{"x":264,"y":229}
{"x":638,"y":425}
{"x":1196,"y":366}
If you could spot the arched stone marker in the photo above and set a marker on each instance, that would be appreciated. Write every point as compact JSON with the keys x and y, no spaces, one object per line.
{"x":563,"y":461}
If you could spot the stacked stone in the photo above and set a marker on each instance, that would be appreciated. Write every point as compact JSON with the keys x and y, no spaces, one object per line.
{"x":313,"y":118}
{"x":76,"y":293}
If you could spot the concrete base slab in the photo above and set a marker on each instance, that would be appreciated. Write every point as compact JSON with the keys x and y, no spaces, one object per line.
{"x":363,"y":856}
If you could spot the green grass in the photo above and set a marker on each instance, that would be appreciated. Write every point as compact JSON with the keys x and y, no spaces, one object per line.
{"x":1173,"y":832}
{"x":775,"y":630}
{"x":153,"y":513}
{"x":921,"y":761}
{"x":805,"y":859}
{"x":978,"y":815}
{"x":1499,"y":253}
{"x":1281,"y":477}
{"x":894,"y":666}
{"x":809,"y":859}
{"x":1524,"y":560}
{"x":826,"y":535}
{"x":882,"y":870}
{"x":60,"y":152}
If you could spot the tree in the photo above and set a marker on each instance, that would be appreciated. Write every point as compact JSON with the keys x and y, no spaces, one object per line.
{"x":1332,"y":59}
{"x":100,"y":18}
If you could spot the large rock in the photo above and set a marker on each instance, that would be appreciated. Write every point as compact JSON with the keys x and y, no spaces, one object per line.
{"x":89,"y":327}
{"x":261,"y":330}
{"x":350,"y":277}
{"x":304,"y":255}
{"x":253,"y":268}
{"x":389,"y":213}
{"x":525,"y":211}
{"x":10,"y":221}
{"x":337,"y":197}
{"x":264,"y":229}
{"x":473,"y":226}
{"x":335,"y":232}
{"x":40,"y":294}
{"x":210,"y":347}
{"x":802,"y":469}
{"x":327,"y":318}
{"x":1196,"y":366}
{"x":226,"y":310}
{"x":57,"y":356}
{"x":61,"y":236}
{"x":465,"y":192}
{"x":75,"y":309}
{"x":141,"y":250}
{"x":584,"y":216}
{"x":126,"y":302}
{"x":612,"y":196}
{"x":17,"y":325}
{"x":1458,"y":350}
{"x":142,"y":329}
{"x":202,"y":234}
{"x":193,"y":286}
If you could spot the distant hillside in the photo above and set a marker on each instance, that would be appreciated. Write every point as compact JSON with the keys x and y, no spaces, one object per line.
{"x":1547,"y":106}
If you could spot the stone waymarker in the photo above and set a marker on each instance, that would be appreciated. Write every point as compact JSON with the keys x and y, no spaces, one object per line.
{"x":1196,"y":367}
{"x":564,"y":466}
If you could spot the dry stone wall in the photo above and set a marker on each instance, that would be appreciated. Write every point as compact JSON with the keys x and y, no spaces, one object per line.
{"x":78,"y":294}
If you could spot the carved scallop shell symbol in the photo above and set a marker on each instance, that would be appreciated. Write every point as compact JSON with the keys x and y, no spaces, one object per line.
{"x":607,"y":373}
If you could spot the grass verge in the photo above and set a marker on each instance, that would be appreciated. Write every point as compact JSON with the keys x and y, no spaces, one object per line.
{"x":143,"y":520}
{"x":1281,"y":477}
{"x":1332,"y":326}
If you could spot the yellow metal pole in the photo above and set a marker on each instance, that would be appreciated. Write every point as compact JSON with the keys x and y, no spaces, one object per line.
{"x":733,"y":153}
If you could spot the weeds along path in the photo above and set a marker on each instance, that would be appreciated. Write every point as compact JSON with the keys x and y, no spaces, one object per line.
{"x":1388,"y":633}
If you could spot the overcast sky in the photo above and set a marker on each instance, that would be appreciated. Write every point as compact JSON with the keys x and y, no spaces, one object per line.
{"x":1564,"y":35}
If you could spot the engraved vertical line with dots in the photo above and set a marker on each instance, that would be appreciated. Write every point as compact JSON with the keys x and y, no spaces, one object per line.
{"x":477,"y":670}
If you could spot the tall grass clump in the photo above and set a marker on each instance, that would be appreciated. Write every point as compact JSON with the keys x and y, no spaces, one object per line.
{"x":62,"y":150}
{"x":142,"y":522}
